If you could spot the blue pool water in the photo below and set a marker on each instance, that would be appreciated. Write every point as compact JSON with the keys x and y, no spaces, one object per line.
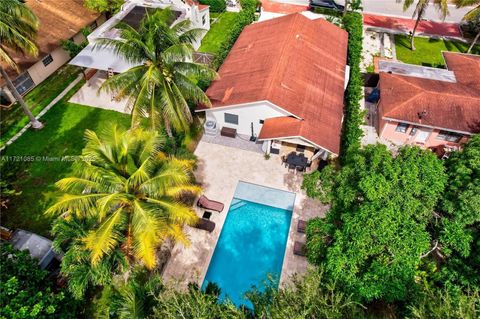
{"x":252,"y":242}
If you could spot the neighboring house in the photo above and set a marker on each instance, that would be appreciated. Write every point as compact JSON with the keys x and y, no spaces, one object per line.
{"x":39,"y":248}
{"x":283,"y":83}
{"x":427,"y":106}
{"x":132,"y":13}
{"x":59,"y":20}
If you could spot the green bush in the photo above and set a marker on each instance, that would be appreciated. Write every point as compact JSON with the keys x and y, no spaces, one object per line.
{"x":352,"y":133}
{"x":215,"y":5}
{"x":327,"y":11}
{"x":26,"y":291}
{"x":244,"y":18}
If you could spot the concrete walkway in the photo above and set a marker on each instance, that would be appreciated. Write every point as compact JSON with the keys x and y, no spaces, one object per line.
{"x":45,"y":110}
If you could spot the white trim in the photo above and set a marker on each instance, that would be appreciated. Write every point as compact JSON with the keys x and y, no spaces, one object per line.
{"x":299,"y":137}
{"x":247,"y":104}
{"x":428,"y":126}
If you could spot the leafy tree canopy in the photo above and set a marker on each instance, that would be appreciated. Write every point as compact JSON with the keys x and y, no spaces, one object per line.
{"x":110,"y":6}
{"x":26,"y":291}
{"x":373,"y":238}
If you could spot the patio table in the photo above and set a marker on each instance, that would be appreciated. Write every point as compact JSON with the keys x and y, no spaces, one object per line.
{"x":296,"y":160}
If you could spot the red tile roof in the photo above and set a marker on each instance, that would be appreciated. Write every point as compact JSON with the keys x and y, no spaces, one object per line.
{"x":447,"y":105}
{"x":295,"y":63}
{"x":202,"y":7}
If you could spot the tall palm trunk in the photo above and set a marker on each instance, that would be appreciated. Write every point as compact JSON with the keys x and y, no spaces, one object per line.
{"x":474,"y":41}
{"x":36,"y":124}
{"x":419,"y":17}
{"x":345,"y":8}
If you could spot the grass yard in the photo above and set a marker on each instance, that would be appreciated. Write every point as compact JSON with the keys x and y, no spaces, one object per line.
{"x":428,"y":51}
{"x":62,"y":135}
{"x":218,"y":33}
{"x":14,"y":119}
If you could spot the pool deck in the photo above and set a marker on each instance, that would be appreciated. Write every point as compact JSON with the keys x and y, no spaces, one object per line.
{"x":219,"y":170}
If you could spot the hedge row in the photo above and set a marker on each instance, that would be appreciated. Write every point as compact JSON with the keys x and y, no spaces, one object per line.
{"x":215,"y":5}
{"x":352,"y":132}
{"x":244,"y":18}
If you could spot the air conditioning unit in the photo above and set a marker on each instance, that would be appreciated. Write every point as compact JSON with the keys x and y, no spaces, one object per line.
{"x":211,"y":127}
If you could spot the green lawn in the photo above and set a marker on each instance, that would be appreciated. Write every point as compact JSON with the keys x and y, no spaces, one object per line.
{"x":62,"y":135}
{"x":14,"y":119}
{"x":428,"y":51}
{"x":218,"y":33}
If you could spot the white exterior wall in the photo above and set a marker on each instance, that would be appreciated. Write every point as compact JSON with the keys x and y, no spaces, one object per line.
{"x":247,"y":114}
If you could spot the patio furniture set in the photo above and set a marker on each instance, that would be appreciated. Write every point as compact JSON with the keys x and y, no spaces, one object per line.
{"x":296,"y":162}
{"x":205,"y":223}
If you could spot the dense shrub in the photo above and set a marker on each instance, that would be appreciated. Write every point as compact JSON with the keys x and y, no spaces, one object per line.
{"x":352,"y":133}
{"x":26,"y":291}
{"x":244,"y":18}
{"x":215,"y":5}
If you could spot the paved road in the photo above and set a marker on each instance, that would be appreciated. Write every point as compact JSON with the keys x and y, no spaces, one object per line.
{"x":392,"y":8}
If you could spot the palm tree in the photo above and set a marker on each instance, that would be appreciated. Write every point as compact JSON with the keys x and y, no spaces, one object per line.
{"x":419,"y":13}
{"x":18,"y":28}
{"x":76,"y":266}
{"x":164,"y":80}
{"x":132,"y":190}
{"x":472,"y":16}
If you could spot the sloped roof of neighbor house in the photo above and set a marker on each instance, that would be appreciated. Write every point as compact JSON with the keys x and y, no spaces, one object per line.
{"x":59,"y":20}
{"x":437,"y":103}
{"x":295,"y":63}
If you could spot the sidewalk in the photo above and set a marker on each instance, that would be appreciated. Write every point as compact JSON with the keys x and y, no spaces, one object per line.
{"x":402,"y":25}
{"x":284,"y":8}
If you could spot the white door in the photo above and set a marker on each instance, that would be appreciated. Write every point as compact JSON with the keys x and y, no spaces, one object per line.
{"x":422,"y":135}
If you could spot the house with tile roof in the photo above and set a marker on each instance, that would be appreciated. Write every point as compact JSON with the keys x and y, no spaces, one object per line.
{"x":427,"y":106}
{"x":58,"y":20}
{"x":283,"y":84}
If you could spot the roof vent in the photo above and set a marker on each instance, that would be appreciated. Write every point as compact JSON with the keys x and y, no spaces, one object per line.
{"x":422,"y":114}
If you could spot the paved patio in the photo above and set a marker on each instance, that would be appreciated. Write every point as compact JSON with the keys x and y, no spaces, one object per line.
{"x":89,"y":95}
{"x":240,"y":142}
{"x":219,"y":169}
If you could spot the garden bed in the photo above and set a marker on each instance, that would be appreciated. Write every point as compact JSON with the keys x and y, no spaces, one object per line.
{"x":218,"y":33}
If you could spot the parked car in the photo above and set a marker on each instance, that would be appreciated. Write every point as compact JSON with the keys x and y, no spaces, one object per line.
{"x":326,"y":4}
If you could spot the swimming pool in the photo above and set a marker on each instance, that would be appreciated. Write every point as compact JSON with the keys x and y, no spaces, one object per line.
{"x":252,"y":242}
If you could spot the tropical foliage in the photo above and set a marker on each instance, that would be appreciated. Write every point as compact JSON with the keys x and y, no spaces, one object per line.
{"x":109,"y":6}
{"x":159,"y":88}
{"x":18,"y":29}
{"x":131,"y":190}
{"x":26,"y":291}
{"x":374,"y":237}
{"x":215,"y":5}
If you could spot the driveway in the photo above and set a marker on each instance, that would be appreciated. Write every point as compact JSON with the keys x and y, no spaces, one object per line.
{"x":219,"y":170}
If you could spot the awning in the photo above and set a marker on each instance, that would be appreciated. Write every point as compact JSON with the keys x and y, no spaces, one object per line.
{"x":101,"y":59}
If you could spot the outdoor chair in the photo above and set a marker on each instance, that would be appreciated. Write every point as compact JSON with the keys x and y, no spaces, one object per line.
{"x":205,"y":224}
{"x":301,"y":226}
{"x":300,"y":168}
{"x":299,"y":249}
{"x":291,"y":167}
{"x":204,"y":202}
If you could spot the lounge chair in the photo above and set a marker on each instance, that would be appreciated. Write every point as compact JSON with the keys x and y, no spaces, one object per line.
{"x":301,"y":226}
{"x":205,"y":224}
{"x":299,"y":248}
{"x":204,"y":202}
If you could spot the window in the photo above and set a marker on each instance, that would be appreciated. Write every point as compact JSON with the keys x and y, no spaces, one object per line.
{"x":413,"y":131}
{"x":23,"y":83}
{"x":401,"y":127}
{"x":203,"y":19}
{"x":47,"y":60}
{"x":449,"y":136}
{"x":231,"y":118}
{"x":94,"y":25}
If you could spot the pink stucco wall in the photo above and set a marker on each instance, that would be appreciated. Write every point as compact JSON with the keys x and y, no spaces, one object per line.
{"x":388,"y":132}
